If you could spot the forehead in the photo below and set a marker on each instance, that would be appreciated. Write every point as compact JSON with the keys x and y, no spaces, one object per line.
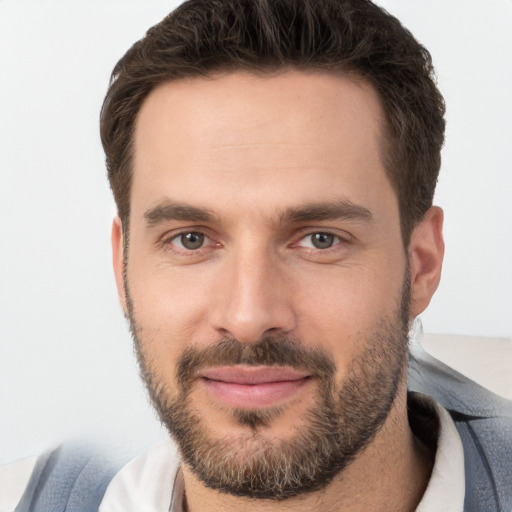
{"x":242,"y":137}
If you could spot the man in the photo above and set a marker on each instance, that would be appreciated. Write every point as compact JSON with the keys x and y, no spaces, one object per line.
{"x":273,"y":165}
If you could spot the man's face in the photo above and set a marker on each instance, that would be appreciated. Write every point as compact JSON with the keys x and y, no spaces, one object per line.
{"x":266,"y":280}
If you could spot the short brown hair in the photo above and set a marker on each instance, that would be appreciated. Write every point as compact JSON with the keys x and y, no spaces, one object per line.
{"x":202,"y":37}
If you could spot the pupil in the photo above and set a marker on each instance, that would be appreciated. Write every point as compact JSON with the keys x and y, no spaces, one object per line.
{"x":192,"y":240}
{"x":323,"y":240}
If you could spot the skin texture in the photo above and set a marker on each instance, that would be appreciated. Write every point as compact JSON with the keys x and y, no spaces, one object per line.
{"x":251,"y":163}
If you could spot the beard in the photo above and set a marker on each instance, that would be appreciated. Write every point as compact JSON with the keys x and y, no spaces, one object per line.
{"x":342,"y":420}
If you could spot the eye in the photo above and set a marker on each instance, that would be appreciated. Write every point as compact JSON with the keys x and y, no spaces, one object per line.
{"x":190,"y":241}
{"x":319,"y":240}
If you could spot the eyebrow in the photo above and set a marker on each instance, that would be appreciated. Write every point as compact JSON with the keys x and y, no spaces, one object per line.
{"x":341,"y":209}
{"x":176,"y":211}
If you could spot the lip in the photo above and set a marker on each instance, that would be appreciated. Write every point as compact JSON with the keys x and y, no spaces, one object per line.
{"x":252,"y":387}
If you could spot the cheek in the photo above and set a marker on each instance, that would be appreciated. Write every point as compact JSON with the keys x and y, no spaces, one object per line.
{"x":343,"y":308}
{"x":169,"y":310}
{"x":163,"y":294}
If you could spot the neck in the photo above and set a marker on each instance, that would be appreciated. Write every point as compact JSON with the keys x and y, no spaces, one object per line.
{"x":391,"y":473}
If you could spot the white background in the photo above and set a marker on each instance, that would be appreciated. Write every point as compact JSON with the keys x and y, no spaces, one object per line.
{"x":66,"y":364}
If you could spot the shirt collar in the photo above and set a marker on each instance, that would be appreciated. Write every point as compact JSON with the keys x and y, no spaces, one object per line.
{"x":446,"y":487}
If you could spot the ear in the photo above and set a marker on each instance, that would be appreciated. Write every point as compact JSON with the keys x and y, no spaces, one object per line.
{"x":118,"y":260}
{"x":426,"y":252}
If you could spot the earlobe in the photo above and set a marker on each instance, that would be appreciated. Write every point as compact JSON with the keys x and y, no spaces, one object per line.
{"x":118,"y":259}
{"x":426,"y":252}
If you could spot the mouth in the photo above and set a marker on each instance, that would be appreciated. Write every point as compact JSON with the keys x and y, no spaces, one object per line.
{"x":253,"y":387}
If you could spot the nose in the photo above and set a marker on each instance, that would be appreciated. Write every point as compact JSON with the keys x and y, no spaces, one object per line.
{"x":254,"y":298}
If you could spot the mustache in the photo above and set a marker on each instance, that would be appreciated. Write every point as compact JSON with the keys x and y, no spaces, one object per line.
{"x":269,"y":351}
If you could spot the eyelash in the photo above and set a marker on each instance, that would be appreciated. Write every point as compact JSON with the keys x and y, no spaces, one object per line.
{"x":337,"y":240}
{"x":168,"y":242}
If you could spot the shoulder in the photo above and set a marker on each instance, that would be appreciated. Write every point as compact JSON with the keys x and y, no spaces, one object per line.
{"x":70,"y":477}
{"x":455,"y":391}
{"x":484,"y":422}
{"x":84,"y":478}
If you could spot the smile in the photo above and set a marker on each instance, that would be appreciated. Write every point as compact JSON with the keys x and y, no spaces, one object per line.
{"x":252,"y":387}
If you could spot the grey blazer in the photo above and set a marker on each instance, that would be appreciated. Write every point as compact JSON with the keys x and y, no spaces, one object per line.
{"x":71,"y":480}
{"x":484,"y":422}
